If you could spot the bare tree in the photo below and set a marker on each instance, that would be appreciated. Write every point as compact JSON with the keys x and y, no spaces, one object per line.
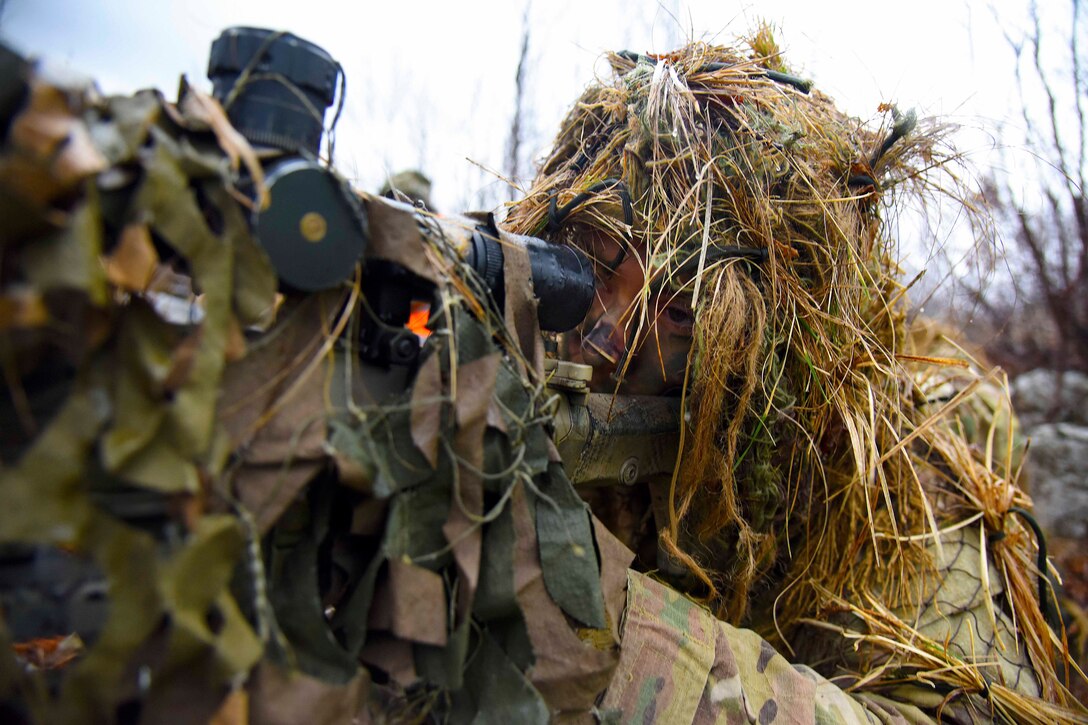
{"x":1040,"y":308}
{"x":517,"y":122}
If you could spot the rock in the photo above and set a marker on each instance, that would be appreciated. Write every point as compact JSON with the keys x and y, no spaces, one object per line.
{"x":1042,"y":396}
{"x":1057,"y":461}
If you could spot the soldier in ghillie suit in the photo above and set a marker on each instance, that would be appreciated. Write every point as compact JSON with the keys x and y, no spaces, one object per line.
{"x":227,"y":497}
{"x":827,"y":494}
{"x":410,"y":186}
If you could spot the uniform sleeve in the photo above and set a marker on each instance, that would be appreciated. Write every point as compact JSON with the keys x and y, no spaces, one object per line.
{"x":679,"y":664}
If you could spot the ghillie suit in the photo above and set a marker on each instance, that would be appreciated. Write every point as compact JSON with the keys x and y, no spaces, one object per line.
{"x":826,"y":495}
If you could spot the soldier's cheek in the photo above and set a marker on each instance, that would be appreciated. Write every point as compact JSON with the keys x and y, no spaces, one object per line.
{"x":675,"y":364}
{"x":675,"y":350}
{"x":670,"y":360}
{"x":641,"y":379}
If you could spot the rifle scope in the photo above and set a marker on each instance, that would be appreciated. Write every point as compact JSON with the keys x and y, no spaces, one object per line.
{"x":275,"y":88}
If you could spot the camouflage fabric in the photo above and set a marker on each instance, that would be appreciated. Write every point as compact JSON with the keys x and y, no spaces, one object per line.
{"x":111,"y":443}
{"x":273,"y":530}
{"x":955,"y":622}
{"x":961,"y":610}
{"x":679,"y":664}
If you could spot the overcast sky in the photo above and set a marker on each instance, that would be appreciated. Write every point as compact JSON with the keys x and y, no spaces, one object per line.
{"x":431,"y":82}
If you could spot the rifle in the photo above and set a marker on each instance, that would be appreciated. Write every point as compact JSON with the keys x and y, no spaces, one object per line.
{"x":266,"y":492}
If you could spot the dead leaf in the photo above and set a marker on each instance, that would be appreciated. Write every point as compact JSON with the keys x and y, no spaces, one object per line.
{"x":350,"y":473}
{"x":368,"y":517}
{"x":462,"y":530}
{"x":183,"y":360}
{"x":236,"y":341}
{"x":272,"y":401}
{"x":615,"y":560}
{"x":419,"y":604}
{"x":568,"y":673}
{"x":426,"y":415}
{"x":48,"y":653}
{"x":202,"y":107}
{"x":477,"y":386}
{"x":267,"y":490}
{"x":55,"y":147}
{"x":521,"y":315}
{"x":495,"y":417}
{"x":233,"y":711}
{"x":22,"y":308}
{"x":396,"y":237}
{"x":391,"y":655}
{"x":281,"y":696}
{"x":133,"y":263}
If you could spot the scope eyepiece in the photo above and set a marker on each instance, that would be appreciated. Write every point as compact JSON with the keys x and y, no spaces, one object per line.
{"x":563,"y":281}
{"x":562,"y":276}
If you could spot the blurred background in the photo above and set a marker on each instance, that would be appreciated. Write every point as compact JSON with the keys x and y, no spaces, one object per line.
{"x":437,"y":85}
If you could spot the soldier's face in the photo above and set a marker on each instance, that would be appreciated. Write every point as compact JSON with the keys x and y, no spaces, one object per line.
{"x":656,"y":366}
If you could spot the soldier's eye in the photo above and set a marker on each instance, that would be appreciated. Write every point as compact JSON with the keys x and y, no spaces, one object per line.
{"x":616,"y":260}
{"x":680,"y":316}
{"x":607,"y":253}
{"x":605,"y":281}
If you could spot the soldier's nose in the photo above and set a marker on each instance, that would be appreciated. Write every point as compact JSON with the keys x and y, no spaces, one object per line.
{"x":605,"y":341}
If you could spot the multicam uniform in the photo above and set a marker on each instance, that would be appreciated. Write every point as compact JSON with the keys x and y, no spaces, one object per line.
{"x":678,"y":663}
{"x":283,"y":537}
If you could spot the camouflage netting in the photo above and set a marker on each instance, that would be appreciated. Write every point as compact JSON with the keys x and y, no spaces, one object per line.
{"x":823,"y":450}
{"x":210,"y":509}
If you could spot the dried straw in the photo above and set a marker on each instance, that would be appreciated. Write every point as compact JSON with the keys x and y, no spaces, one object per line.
{"x":814,"y":471}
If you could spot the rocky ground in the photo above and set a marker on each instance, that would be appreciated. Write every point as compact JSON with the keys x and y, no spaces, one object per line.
{"x":1053,"y":411}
